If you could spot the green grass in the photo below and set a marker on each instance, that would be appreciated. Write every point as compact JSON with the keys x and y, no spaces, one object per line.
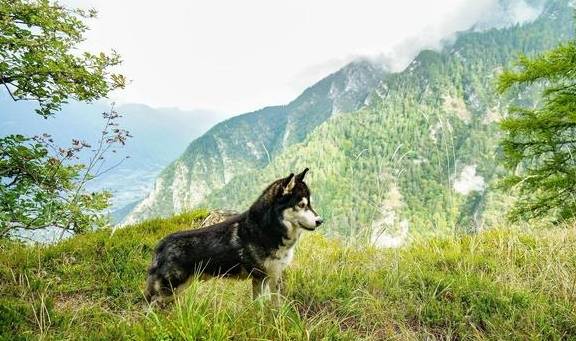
{"x":500,"y":284}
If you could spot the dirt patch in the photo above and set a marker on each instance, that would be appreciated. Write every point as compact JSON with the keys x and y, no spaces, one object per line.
{"x":72,"y":301}
{"x":492,"y":116}
{"x":457,"y":106}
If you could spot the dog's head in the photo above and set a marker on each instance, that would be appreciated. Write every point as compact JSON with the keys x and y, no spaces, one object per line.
{"x":293,"y":202}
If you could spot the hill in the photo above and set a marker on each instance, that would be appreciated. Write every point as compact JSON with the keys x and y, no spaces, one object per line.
{"x":499,"y":284}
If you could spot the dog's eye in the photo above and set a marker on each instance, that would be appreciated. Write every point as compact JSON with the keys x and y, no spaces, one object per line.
{"x":302,"y":205}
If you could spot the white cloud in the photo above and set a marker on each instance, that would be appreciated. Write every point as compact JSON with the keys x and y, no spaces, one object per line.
{"x":468,"y":182}
{"x":235,"y":56}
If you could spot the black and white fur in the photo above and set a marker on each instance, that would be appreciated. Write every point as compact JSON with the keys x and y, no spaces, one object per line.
{"x":257,"y":244}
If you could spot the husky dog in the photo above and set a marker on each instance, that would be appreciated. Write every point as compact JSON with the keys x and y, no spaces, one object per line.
{"x":257,"y":244}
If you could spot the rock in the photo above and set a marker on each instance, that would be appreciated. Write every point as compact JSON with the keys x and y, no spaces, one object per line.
{"x":218,"y":216}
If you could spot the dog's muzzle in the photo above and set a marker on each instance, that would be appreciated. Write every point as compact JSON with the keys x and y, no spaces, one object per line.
{"x":307,"y":228}
{"x":319,"y":222}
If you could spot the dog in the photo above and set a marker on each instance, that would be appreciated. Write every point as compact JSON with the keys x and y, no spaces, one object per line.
{"x":257,"y":244}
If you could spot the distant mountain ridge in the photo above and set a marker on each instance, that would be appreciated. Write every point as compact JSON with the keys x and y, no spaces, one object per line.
{"x":159,"y":136}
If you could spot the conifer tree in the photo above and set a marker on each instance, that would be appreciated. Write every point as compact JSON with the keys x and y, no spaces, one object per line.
{"x":540,"y":141}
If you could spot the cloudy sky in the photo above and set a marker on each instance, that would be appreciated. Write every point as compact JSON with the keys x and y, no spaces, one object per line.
{"x":236,"y":56}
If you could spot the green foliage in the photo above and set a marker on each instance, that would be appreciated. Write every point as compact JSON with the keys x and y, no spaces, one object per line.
{"x":37,"y":57}
{"x":540,"y":141}
{"x":489,"y":285}
{"x":41,"y":184}
{"x":38,"y":190}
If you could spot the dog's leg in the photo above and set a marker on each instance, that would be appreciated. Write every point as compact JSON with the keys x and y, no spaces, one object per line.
{"x":268,"y":289}
{"x":160,"y":291}
{"x":276,"y":291}
{"x":261,"y":288}
{"x":257,"y":287}
{"x":152,"y":291}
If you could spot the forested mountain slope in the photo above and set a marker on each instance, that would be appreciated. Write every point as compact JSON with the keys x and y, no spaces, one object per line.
{"x":422,"y":155}
{"x":249,"y":142}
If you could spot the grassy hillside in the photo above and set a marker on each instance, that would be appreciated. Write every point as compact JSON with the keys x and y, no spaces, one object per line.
{"x":499,"y":284}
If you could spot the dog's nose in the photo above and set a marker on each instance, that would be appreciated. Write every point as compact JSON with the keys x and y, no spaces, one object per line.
{"x":319,"y":221}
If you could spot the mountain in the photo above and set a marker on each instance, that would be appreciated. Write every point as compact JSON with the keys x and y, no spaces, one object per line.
{"x":417,"y":150}
{"x":159,"y":136}
{"x":251,"y":141}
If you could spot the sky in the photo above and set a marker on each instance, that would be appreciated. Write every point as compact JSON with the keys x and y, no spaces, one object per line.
{"x":233,"y":56}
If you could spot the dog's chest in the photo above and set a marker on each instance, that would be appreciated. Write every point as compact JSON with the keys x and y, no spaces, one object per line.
{"x":282,"y":257}
{"x":279,"y":260}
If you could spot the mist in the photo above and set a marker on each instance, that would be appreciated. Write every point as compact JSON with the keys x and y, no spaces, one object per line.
{"x":233,"y":57}
{"x":475,"y":15}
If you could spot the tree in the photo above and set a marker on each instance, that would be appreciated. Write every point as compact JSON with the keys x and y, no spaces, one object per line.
{"x":42,"y":184}
{"x":38,"y":41}
{"x":540,"y":142}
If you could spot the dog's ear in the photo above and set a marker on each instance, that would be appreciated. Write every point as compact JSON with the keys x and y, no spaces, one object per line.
{"x":300,"y":176}
{"x":288,"y":184}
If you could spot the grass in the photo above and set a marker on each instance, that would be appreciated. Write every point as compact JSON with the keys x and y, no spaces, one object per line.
{"x":500,"y":284}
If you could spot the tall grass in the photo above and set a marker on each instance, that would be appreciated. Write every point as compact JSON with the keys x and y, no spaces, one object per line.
{"x":500,"y":284}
